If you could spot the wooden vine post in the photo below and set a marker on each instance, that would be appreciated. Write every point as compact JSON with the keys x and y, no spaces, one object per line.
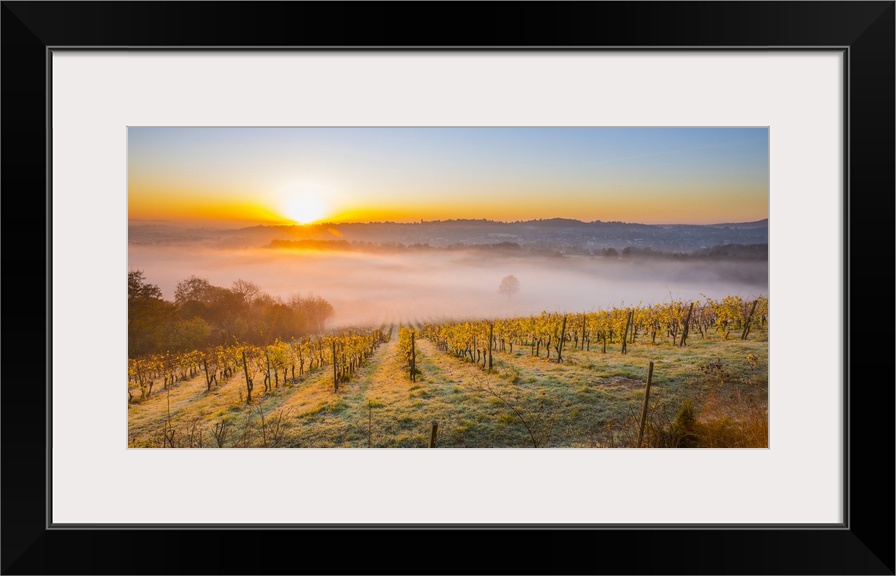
{"x":248,"y":380}
{"x":208,"y":382}
{"x":491,"y":331}
{"x":746,"y":331}
{"x":434,"y":435}
{"x":267,"y":373}
{"x":687,"y":324}
{"x":584,"y":328}
{"x":335,"y":378}
{"x":646,"y":401}
{"x":628,"y":323}
{"x":413,"y":359}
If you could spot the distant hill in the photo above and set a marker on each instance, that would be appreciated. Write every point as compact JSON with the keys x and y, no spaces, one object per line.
{"x":744,"y":225}
{"x":560,"y":235}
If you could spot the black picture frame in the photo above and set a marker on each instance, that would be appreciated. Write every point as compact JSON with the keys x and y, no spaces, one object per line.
{"x":864,"y":31}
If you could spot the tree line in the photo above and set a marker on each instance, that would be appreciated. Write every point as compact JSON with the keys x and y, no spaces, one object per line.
{"x":204,"y":315}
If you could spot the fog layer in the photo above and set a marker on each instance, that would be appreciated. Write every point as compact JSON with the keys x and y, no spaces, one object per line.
{"x":372,"y":289}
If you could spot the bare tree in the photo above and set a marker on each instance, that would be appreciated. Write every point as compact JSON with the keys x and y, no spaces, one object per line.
{"x":249,"y":291}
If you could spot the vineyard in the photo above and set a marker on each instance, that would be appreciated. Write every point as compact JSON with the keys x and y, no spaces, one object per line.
{"x":677,"y":374}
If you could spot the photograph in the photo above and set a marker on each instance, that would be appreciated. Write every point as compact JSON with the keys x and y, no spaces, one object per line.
{"x":448,"y":287}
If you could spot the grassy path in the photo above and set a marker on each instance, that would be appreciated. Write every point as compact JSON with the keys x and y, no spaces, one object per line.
{"x":536,"y":401}
{"x":321,"y":418}
{"x":450,"y":392}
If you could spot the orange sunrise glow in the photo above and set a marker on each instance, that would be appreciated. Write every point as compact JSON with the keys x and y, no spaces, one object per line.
{"x":305,"y":176}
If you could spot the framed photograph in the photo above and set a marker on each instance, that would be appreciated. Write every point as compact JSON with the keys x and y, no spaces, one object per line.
{"x":349,"y":153}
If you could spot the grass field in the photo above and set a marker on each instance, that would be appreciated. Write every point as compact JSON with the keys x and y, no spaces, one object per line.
{"x":711,"y":393}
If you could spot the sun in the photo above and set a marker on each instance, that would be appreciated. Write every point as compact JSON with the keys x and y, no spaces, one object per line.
{"x":304,"y":206}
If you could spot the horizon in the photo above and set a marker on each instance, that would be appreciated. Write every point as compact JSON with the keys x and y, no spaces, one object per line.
{"x":241,"y":225}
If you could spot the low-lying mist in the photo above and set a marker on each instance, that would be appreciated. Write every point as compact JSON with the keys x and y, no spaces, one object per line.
{"x":371,"y":289}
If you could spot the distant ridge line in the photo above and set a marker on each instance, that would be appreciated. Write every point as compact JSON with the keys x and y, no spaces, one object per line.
{"x":542,"y":221}
{"x":756,"y":224}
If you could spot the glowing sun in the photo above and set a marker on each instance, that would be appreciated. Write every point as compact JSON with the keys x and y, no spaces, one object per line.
{"x":304,"y":206}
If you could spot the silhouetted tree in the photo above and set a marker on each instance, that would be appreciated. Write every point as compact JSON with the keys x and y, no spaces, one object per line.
{"x":193,"y":289}
{"x":509,"y":285}
{"x":148,"y":315}
{"x":206,"y":315}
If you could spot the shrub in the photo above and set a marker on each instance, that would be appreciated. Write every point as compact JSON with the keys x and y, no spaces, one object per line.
{"x":684,"y":429}
{"x":714,"y":372}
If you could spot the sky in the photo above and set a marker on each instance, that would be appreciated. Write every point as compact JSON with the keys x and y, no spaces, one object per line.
{"x":248,"y":176}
